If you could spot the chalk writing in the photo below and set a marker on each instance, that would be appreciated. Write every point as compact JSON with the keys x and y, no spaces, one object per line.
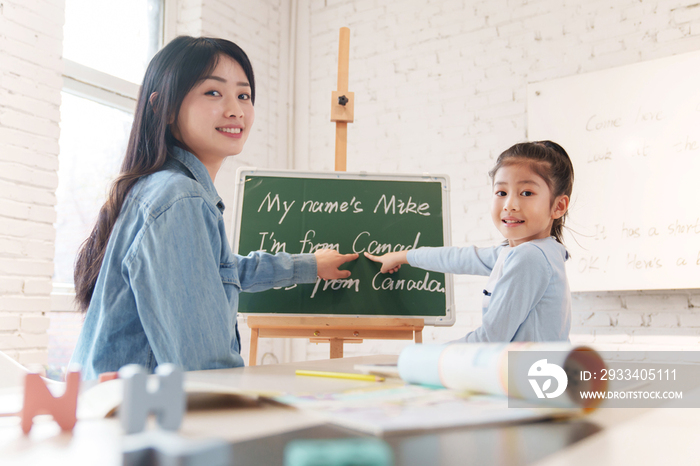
{"x":329,"y":207}
{"x":374,"y":247}
{"x":299,"y":215}
{"x":392,"y":284}
{"x":338,"y":284}
{"x":408,"y":207}
{"x":276,"y":245}
{"x":315,"y":247}
{"x":275,"y":201}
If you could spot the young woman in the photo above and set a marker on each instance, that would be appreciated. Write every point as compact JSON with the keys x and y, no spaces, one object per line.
{"x":157,"y":276}
{"x":527,"y":296}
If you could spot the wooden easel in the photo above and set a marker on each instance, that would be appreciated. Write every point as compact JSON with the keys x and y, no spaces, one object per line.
{"x":335,"y":330}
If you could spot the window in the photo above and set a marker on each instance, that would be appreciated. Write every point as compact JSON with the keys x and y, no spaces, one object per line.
{"x":107,"y":46}
{"x":116,"y":38}
{"x":92,"y":144}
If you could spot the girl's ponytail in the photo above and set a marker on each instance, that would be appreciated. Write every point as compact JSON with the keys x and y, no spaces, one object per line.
{"x":561,"y":180}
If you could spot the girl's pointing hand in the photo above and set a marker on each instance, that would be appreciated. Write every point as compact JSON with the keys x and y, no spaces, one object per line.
{"x":391,"y":262}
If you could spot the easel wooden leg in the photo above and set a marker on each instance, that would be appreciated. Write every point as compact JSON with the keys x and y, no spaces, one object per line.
{"x":252,"y":360}
{"x":419,"y":336}
{"x":336,"y":348}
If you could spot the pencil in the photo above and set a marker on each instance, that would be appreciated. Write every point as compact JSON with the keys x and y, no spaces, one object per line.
{"x":342,"y":375}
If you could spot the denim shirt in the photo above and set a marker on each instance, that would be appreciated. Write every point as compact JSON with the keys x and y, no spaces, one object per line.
{"x":168,"y":287}
{"x":527,"y":297}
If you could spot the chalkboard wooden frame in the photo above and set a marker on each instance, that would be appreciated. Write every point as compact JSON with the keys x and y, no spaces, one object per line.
{"x":446,"y":318}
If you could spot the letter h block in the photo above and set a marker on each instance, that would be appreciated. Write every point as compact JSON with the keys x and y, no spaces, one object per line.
{"x":167,"y":401}
{"x":39,"y":400}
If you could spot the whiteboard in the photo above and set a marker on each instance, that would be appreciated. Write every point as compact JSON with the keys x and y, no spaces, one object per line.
{"x":633,"y":134}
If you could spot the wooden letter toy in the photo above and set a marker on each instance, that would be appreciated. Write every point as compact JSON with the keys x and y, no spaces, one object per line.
{"x":168,"y":401}
{"x":39,"y":400}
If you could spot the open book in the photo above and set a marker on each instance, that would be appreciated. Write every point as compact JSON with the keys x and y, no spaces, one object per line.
{"x":461,"y":385}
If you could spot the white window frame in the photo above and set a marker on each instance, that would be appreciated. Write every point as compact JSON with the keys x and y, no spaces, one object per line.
{"x":103,"y":88}
{"x":106,"y":89}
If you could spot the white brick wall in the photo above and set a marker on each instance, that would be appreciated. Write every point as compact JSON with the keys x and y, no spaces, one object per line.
{"x":441,"y":86}
{"x":31,"y":33}
{"x":259,"y":28}
{"x":189,"y":17}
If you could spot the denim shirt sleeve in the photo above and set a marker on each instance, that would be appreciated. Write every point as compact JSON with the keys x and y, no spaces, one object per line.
{"x":526,"y":276}
{"x":186,"y":282}
{"x":259,"y":271}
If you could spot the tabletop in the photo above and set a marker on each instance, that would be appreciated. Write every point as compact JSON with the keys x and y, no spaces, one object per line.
{"x":258,"y":430}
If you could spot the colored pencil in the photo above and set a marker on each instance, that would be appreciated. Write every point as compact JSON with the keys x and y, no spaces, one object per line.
{"x":342,"y":375}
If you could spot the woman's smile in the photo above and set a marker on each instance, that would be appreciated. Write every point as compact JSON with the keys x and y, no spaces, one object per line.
{"x":235,"y":132}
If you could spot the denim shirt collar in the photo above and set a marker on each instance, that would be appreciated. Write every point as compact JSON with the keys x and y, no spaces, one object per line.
{"x":200,"y":173}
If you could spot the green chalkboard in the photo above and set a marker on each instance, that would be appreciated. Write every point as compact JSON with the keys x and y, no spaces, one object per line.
{"x":285,"y":211}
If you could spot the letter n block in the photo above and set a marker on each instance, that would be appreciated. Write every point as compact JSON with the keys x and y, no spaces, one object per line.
{"x":167,"y":401}
{"x":39,"y":400}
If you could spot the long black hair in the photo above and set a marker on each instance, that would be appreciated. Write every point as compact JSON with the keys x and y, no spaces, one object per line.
{"x":170,"y":75}
{"x":551,"y":162}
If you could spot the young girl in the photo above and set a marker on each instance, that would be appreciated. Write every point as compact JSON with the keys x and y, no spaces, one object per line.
{"x":157,"y":276}
{"x":527,"y":295}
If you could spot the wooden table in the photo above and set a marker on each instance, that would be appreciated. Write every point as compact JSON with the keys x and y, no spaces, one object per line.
{"x":259,"y":432}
